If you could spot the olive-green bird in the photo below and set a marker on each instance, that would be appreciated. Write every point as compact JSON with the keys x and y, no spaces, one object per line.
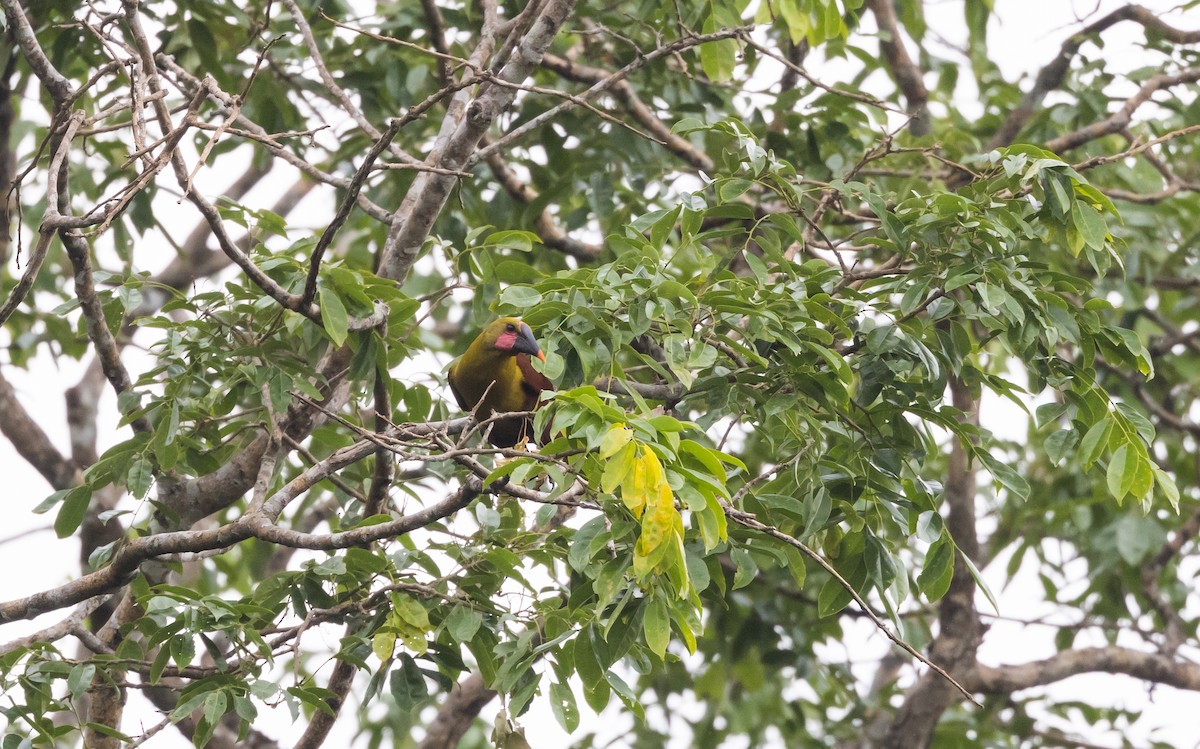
{"x":495,"y":376}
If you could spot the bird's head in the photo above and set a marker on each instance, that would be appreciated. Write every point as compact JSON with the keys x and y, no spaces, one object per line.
{"x":513,"y":337}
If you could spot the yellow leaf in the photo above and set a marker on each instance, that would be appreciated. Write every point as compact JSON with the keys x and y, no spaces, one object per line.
{"x":383,"y":644}
{"x":411,"y":612}
{"x":416,"y":643}
{"x":658,"y":522}
{"x":617,"y":468}
{"x":617,"y":436}
{"x":635,"y":488}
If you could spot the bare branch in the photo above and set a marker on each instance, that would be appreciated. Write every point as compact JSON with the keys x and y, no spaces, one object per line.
{"x":1051,"y":77}
{"x":750,"y":521}
{"x":1119,"y":120}
{"x":625,"y":93}
{"x":343,"y":212}
{"x":616,"y":77}
{"x":59,"y":87}
{"x":30,"y":441}
{"x":1151,"y":667}
{"x":907,"y":73}
{"x":57,"y":631}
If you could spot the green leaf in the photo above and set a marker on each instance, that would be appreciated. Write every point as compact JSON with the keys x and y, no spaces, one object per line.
{"x":1006,"y":476}
{"x":979,"y":581}
{"x":628,"y":697}
{"x":1090,"y":224}
{"x":514,"y":239}
{"x":1058,"y":445}
{"x":832,"y":598}
{"x":797,"y":21}
{"x":522,"y":297}
{"x":463,"y":622}
{"x":929,"y":526}
{"x":74,"y":508}
{"x":1122,"y":470}
{"x":406,"y":683}
{"x":333,"y":315}
{"x":1166,"y":485}
{"x":591,"y":674}
{"x":562,"y":703}
{"x":215,"y":705}
{"x":411,"y":612}
{"x":80,"y":679}
{"x":141,"y":474}
{"x":934,"y":579}
{"x":1094,"y":442}
{"x":719,"y":58}
{"x":657,"y":625}
{"x":46,"y":504}
{"x":747,"y":568}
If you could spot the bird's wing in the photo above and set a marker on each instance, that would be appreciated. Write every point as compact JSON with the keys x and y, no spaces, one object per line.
{"x":457,"y":395}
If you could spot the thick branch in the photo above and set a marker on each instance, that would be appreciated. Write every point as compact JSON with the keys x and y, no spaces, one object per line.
{"x":959,"y":629}
{"x":907,"y":73}
{"x":457,"y":712}
{"x":1151,"y":667}
{"x":318,"y":727}
{"x":1051,"y":77}
{"x":260,"y":524}
{"x":429,"y":192}
{"x":1120,"y":119}
{"x":56,"y":83}
{"x":30,"y":442}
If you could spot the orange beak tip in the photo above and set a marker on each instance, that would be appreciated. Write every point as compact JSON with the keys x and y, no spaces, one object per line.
{"x":542,"y":355}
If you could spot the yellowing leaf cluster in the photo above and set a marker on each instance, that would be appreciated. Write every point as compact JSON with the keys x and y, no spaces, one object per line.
{"x":408,"y":622}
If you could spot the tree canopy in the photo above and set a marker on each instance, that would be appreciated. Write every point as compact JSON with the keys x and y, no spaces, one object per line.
{"x":789,"y":286}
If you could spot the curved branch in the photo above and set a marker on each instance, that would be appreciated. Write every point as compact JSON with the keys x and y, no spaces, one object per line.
{"x":1051,"y":77}
{"x":548,"y":229}
{"x":1152,"y":667}
{"x":30,"y":441}
{"x":629,"y":99}
{"x":1120,"y":119}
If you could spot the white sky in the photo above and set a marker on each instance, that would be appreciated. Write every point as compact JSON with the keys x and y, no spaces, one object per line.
{"x":1023,"y":37}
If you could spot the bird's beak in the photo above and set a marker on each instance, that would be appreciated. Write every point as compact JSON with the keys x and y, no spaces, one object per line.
{"x":527,"y":344}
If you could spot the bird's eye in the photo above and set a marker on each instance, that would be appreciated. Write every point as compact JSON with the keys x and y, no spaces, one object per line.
{"x":511,"y":328}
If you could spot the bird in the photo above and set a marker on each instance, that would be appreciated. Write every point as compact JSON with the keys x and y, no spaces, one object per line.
{"x":495,"y":375}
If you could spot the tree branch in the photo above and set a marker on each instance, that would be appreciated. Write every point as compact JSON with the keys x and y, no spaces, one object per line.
{"x":30,"y":442}
{"x":906,"y":72}
{"x":429,"y":192}
{"x":1051,"y":77}
{"x":457,"y":712}
{"x":959,"y":628}
{"x":1151,"y":667}
{"x":1120,"y":119}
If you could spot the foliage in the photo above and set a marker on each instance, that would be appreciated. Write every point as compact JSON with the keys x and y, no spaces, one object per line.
{"x":783,"y":314}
